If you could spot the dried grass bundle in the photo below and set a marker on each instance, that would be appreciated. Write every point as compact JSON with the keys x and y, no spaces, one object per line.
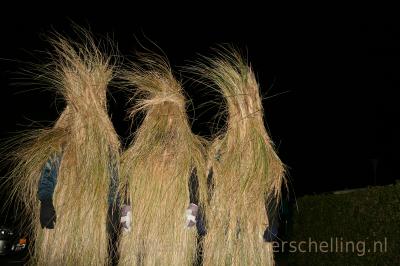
{"x":246,"y":169}
{"x":85,"y":137}
{"x":157,"y":167}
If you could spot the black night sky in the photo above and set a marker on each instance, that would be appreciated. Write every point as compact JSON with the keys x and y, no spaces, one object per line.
{"x":330,"y":83}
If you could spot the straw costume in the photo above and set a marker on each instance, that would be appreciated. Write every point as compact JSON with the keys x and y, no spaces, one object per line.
{"x":245,"y":169}
{"x":69,"y":171}
{"x":157,"y":169}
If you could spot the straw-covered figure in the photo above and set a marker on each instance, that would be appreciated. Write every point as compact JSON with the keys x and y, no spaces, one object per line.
{"x":66,"y":175}
{"x":157,"y":167}
{"x":246,"y":170}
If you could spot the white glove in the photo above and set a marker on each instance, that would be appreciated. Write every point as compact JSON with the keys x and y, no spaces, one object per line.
{"x":191,"y":214}
{"x":126,"y":218}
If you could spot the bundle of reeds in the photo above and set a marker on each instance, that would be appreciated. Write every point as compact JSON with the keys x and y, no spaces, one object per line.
{"x":85,"y":139}
{"x":156,"y":168}
{"x":246,"y":169}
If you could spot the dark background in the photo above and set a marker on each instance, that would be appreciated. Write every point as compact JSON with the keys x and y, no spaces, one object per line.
{"x":330,"y":82}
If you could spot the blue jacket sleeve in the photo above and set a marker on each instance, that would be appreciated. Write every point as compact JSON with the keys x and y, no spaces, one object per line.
{"x":48,"y":178}
{"x":113,"y":196}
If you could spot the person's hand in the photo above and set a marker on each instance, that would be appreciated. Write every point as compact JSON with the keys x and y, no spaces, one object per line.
{"x":47,"y":214}
{"x":191,"y":215}
{"x":126,"y":218}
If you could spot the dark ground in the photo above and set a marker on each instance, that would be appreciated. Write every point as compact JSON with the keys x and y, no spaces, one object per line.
{"x":12,"y":260}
